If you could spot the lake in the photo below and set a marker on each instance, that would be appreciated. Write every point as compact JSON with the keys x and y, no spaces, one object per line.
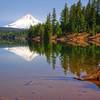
{"x":38,"y":71}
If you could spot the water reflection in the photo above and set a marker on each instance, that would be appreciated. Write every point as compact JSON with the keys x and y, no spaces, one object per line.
{"x":23,"y":52}
{"x":73,"y":59}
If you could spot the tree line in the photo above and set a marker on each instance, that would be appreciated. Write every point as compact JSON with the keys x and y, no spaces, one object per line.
{"x":12,"y":34}
{"x":76,"y":19}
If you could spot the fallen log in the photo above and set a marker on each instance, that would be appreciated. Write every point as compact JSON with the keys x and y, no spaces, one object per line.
{"x":92,"y":76}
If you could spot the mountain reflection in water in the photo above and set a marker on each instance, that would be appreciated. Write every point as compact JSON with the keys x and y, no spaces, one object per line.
{"x":24,"y":52}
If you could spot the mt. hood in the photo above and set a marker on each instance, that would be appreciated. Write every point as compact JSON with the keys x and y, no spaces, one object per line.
{"x":24,"y":22}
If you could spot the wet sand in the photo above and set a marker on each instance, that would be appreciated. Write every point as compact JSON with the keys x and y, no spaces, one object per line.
{"x":49,"y":89}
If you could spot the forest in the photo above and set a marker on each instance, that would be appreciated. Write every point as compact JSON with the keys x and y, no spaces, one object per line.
{"x":77,"y":19}
{"x":12,"y":34}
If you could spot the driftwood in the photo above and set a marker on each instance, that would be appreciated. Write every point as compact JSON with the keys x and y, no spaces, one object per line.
{"x":92,"y":76}
{"x":95,"y":75}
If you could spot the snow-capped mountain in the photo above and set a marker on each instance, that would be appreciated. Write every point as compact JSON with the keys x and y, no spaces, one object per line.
{"x":23,"y":52}
{"x":24,"y":22}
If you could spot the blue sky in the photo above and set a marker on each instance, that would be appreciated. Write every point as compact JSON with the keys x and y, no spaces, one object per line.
{"x":10,"y":10}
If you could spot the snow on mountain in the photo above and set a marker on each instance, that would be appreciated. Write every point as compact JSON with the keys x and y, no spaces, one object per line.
{"x":24,"y":22}
{"x":23,"y":52}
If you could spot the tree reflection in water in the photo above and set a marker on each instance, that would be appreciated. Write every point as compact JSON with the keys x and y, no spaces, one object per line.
{"x":79,"y":60}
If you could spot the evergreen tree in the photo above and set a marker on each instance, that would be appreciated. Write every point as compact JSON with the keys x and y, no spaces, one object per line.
{"x":48,"y":28}
{"x":72,"y":20}
{"x":98,"y":12}
{"x":40,"y":30}
{"x":93,"y":19}
{"x":77,"y":19}
{"x":88,"y":17}
{"x":30,"y":32}
{"x":80,"y":18}
{"x":97,"y":7}
{"x":64,"y":19}
{"x":58,"y":29}
{"x":54,"y":21}
{"x":83,"y":20}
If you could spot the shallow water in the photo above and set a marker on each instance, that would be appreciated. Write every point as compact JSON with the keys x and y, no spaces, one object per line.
{"x":32,"y":73}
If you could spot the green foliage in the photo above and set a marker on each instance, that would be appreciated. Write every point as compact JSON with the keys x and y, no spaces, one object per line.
{"x":80,"y":18}
{"x":70,"y":57}
{"x":64,"y":19}
{"x":30,"y":32}
{"x":98,"y":12}
{"x":48,"y":29}
{"x":13,"y":35}
{"x":37,"y":30}
{"x":72,"y":20}
{"x":54,"y":21}
{"x":91,"y":18}
{"x":93,"y":13}
{"x":58,"y":29}
{"x":77,"y":19}
{"x":98,"y":28}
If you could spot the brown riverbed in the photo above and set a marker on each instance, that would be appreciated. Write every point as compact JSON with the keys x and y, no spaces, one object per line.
{"x":48,"y":89}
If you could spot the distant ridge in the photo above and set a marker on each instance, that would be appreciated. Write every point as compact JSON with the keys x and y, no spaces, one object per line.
{"x":7,"y":29}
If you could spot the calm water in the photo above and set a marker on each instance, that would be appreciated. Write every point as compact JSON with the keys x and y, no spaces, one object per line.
{"x":26,"y":69}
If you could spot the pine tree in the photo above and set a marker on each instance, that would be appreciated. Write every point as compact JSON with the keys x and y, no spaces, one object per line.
{"x":30,"y":32}
{"x":58,"y":29}
{"x":48,"y":28}
{"x":72,"y":20}
{"x":98,"y":12}
{"x":93,"y":19}
{"x":80,"y":19}
{"x":64,"y":19}
{"x":98,"y":16}
{"x":83,"y":20}
{"x":77,"y":18}
{"x":88,"y":17}
{"x":54,"y":21}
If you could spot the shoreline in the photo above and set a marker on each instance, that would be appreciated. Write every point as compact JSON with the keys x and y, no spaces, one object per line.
{"x":51,"y":89}
{"x":82,"y":39}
